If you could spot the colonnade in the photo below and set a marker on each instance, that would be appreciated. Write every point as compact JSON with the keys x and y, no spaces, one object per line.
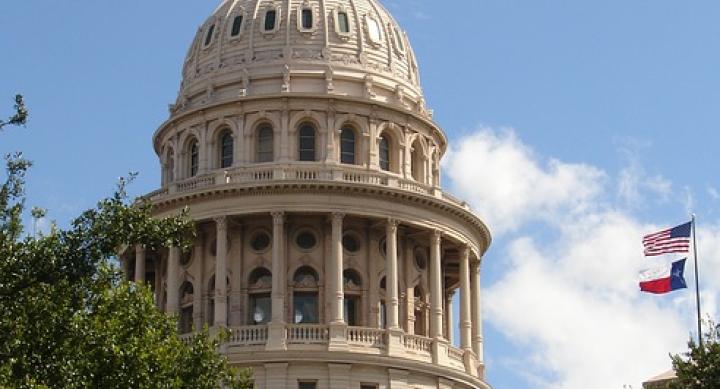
{"x":470,"y":321}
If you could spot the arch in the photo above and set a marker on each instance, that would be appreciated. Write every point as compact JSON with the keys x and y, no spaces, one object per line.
{"x":192,"y":156}
{"x":418,"y":160}
{"x":260,"y":278}
{"x":307,"y":142}
{"x":306,"y":307}
{"x":169,"y":165}
{"x":348,"y":145}
{"x":259,"y":300}
{"x":352,"y":302}
{"x":352,"y":280}
{"x":391,"y":133}
{"x":264,"y":143}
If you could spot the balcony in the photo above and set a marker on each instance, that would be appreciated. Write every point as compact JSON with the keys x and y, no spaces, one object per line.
{"x":364,"y":340}
{"x":265,"y":174}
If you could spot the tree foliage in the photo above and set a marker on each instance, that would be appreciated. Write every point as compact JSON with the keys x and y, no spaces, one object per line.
{"x":699,"y":367}
{"x":68,"y":318}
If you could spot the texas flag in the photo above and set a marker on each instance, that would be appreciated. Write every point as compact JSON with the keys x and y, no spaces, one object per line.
{"x":663,"y":279}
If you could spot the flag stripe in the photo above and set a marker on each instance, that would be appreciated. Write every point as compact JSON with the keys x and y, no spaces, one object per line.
{"x":671,"y":240}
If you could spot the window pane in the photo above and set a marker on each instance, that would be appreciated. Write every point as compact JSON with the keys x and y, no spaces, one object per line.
{"x":347,"y":146}
{"x":260,"y":308}
{"x":307,"y":19}
{"x":194,"y":159}
{"x":343,"y":22}
{"x":270,"y":20}
{"x":307,"y":143}
{"x":208,"y":37}
{"x":305,"y":308}
{"x":237,"y":24}
{"x":374,"y":30}
{"x":226,"y":150}
{"x":384,"y":153}
{"x":307,"y":385}
{"x":265,"y":145}
{"x":351,"y":309}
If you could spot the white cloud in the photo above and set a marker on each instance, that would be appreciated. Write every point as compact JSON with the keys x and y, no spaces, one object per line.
{"x":571,"y":302}
{"x":508,"y":186}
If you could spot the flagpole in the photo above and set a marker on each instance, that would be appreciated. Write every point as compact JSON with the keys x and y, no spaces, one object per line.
{"x":697,"y":283}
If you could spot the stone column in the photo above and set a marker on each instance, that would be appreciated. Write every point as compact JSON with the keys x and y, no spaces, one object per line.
{"x":338,"y":326}
{"x":173,"y":300}
{"x":436,"y":294}
{"x":336,"y":274}
{"x":465,"y":321}
{"x":391,"y":260}
{"x":449,"y":322}
{"x":476,"y":307}
{"x":409,"y":289}
{"x":277,"y":334}
{"x":139,"y":263}
{"x":221,"y":272}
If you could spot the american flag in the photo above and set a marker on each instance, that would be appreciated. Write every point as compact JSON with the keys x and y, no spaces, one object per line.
{"x":672,"y":240}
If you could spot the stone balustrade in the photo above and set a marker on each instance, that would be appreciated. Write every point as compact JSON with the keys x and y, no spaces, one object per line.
{"x":313,"y":337}
{"x":262,"y":174}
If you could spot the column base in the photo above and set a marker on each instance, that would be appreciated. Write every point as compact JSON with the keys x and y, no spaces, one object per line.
{"x":395,"y":346}
{"x":277,"y":337}
{"x":440,"y":352}
{"x":337,"y":336}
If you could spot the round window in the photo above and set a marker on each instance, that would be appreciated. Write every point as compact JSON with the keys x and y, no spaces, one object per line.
{"x":350,"y":243}
{"x":306,"y":240}
{"x":260,"y":242}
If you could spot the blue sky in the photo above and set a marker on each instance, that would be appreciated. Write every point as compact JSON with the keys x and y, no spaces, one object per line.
{"x":591,"y":123}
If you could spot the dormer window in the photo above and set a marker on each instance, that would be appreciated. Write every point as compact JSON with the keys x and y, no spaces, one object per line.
{"x":236,"y":26}
{"x":307,"y":19}
{"x":343,"y":22}
{"x":270,"y":20}
{"x":373,"y":29}
{"x":209,"y":35}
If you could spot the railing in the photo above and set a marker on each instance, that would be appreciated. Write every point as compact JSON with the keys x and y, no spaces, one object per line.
{"x":455,"y":353}
{"x":196,"y":183}
{"x":248,"y":336}
{"x":307,"y":334}
{"x":366,"y":337}
{"x":301,"y":172}
{"x":416,"y":343}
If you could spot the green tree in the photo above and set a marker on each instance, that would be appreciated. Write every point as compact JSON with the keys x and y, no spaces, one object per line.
{"x":699,"y":367}
{"x":70,"y":321}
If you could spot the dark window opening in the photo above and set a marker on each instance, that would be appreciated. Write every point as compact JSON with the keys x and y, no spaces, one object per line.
{"x":307,"y":19}
{"x":270,"y":17}
{"x":347,"y":146}
{"x":343,"y":22}
{"x":209,"y":36}
{"x":236,"y":26}
{"x":226,"y":150}
{"x":384,"y":153}
{"x":265,"y":144}
{"x":307,"y":143}
{"x":194,"y":159}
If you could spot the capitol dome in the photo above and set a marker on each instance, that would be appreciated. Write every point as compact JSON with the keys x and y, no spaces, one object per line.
{"x":301,"y":146}
{"x":337,"y":47}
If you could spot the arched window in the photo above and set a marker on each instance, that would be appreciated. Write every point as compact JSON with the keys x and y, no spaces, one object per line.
{"x":270,"y":20}
{"x":259,"y":288}
{"x":209,"y":35}
{"x":305,"y":296}
{"x":226,"y":149}
{"x":169,"y":166}
{"x":306,"y":144}
{"x":194,"y":161}
{"x":384,"y":153}
{"x":343,"y":22}
{"x":265,"y":144}
{"x":186,"y":308}
{"x":236,"y":25}
{"x":417,"y":162}
{"x":347,"y":146}
{"x":352,"y":286}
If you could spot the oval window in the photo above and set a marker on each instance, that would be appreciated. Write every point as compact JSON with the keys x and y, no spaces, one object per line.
{"x":350,"y":243}
{"x":306,"y":240}
{"x":260,"y":242}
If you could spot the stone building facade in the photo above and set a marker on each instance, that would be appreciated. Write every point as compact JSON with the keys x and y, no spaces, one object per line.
{"x":302,"y":145}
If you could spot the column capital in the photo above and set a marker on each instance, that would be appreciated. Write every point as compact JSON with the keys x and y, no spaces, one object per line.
{"x":436,"y":236}
{"x":465,"y":252}
{"x":220,"y":222}
{"x":392,"y":224}
{"x":337,"y":217}
{"x":278,"y":217}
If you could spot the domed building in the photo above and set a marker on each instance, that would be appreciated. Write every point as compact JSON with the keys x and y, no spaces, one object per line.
{"x":301,"y":143}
